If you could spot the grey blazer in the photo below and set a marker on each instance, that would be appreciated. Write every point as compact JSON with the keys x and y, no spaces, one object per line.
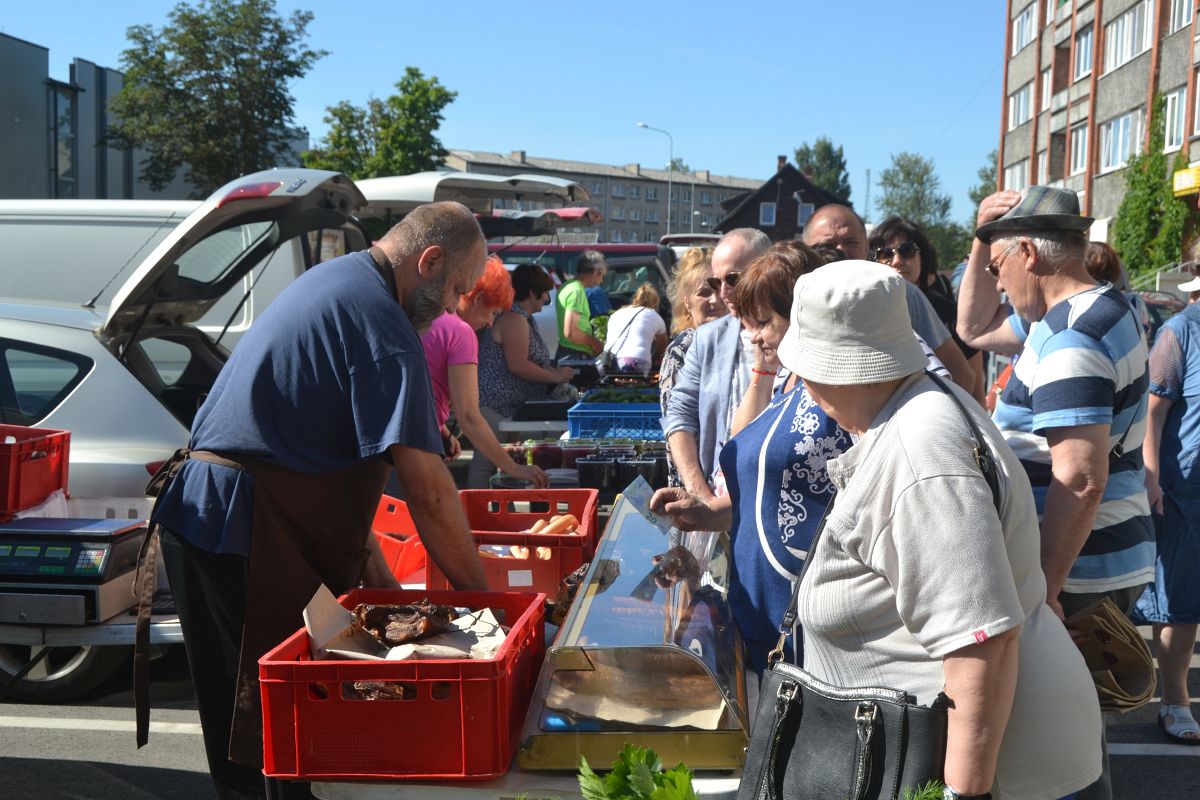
{"x":700,"y":399}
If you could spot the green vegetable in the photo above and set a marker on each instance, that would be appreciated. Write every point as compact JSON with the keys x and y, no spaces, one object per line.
{"x":930,"y":791}
{"x":637,"y":774}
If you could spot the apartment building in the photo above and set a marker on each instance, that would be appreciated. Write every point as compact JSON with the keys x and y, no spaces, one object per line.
{"x":1080,"y":80}
{"x":632,"y":198}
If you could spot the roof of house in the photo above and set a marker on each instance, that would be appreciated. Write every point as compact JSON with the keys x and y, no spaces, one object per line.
{"x":633,"y":171}
{"x":810,"y":190}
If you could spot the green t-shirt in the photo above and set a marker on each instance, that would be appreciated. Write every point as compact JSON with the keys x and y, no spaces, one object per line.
{"x":573,"y":297}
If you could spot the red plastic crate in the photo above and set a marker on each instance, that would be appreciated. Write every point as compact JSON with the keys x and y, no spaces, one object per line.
{"x":515,"y":510}
{"x":567,"y":552}
{"x":397,"y":535}
{"x":463,"y":724}
{"x":31,"y":467}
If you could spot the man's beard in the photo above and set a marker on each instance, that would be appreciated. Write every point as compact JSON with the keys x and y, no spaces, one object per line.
{"x":426,"y":303}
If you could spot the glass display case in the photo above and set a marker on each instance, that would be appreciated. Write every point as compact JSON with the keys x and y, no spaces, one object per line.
{"x":648,"y":654}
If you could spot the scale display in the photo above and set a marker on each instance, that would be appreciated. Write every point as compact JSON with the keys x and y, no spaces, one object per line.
{"x":86,"y":550}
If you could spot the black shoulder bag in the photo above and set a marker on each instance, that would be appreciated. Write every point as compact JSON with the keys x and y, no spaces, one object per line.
{"x":609,"y":359}
{"x":815,"y":741}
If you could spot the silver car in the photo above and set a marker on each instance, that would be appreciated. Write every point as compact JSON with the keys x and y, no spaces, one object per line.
{"x":127,"y":381}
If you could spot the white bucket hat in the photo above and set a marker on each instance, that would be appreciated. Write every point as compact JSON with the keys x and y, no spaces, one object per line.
{"x":1190,"y":286}
{"x":850,"y":326}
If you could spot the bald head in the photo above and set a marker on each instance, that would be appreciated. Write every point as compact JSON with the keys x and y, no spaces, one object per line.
{"x":837,"y":226}
{"x":448,"y":225}
{"x":733,"y":254}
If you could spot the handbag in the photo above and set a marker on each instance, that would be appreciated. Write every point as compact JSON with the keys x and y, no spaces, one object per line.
{"x":815,"y":741}
{"x":1116,"y":655}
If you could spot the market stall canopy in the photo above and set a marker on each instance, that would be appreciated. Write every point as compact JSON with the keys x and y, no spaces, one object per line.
{"x":398,"y":195}
{"x":537,"y":222}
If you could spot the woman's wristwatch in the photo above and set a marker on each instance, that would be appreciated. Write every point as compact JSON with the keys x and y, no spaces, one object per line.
{"x":948,"y":793}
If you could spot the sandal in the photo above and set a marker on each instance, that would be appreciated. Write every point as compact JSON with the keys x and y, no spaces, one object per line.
{"x":1182,"y":728}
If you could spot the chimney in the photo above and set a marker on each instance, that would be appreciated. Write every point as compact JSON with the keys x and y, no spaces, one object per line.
{"x":518,"y":155}
{"x":782,"y":163}
{"x":636,"y":169}
{"x":703,"y":175}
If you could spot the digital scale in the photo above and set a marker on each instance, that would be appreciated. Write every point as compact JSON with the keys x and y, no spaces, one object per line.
{"x":64,"y":571}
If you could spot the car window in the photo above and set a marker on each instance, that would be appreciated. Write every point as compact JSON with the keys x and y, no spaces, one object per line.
{"x":168,"y":358}
{"x":35,"y":379}
{"x":212,"y":257}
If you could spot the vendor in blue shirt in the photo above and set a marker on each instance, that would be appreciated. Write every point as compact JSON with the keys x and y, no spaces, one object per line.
{"x":287,"y":461}
{"x":774,"y":466}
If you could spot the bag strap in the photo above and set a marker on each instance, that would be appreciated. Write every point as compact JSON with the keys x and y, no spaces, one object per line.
{"x":983,"y":459}
{"x":617,"y":347}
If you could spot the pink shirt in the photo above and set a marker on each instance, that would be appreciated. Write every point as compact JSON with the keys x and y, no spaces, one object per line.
{"x":448,"y":341}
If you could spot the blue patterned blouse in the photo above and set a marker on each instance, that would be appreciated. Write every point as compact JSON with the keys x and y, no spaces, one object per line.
{"x":775,"y":470}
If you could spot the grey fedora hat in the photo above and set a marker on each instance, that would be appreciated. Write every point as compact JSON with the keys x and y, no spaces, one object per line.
{"x":1042,"y":208}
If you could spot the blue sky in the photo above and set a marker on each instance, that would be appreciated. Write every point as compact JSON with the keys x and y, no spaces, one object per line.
{"x":736,"y":84}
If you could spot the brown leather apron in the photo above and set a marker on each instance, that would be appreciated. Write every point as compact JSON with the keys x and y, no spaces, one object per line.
{"x":307,"y":530}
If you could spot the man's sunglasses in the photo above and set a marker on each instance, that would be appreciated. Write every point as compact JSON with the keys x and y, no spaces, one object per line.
{"x":884,"y":254}
{"x":731,"y":278}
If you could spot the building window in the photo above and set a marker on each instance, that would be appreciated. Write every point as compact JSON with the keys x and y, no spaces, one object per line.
{"x":766,"y":214}
{"x":618,"y":212}
{"x":1016,"y":176}
{"x":804,"y":214}
{"x":1079,"y":147}
{"x":1196,"y":110}
{"x":597,"y":188}
{"x":1024,"y":28}
{"x":1181,"y":14}
{"x":1020,"y":106}
{"x":1173,"y":130}
{"x":705,"y":220}
{"x":1127,"y":36}
{"x":618,"y":190}
{"x":635,"y":191}
{"x":635,"y":214}
{"x":616,"y":235}
{"x":652,"y":215}
{"x":1043,"y":165}
{"x":62,"y":141}
{"x":1083,"y":53}
{"x":632,"y":237}
{"x":687,"y":195}
{"x":652,"y":193}
{"x":1120,"y":138}
{"x":1047,"y":88}
{"x":706,"y":198}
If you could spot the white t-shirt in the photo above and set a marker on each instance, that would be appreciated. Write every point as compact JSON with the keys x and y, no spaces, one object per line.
{"x":915,"y":563}
{"x":631,"y":331}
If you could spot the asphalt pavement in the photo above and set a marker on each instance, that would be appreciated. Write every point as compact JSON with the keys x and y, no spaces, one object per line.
{"x":86,"y":751}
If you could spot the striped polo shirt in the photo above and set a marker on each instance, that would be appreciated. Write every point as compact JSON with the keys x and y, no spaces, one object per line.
{"x":1084,"y":363}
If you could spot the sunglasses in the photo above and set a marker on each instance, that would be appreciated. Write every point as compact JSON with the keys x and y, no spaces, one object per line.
{"x":993,"y":266}
{"x":907,"y":250}
{"x":731,"y":278}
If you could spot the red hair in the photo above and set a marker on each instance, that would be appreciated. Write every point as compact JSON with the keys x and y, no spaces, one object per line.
{"x":494,"y":286}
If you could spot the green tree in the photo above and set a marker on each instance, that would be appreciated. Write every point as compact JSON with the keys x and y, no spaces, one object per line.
{"x":1149,"y":227}
{"x":208,"y":92}
{"x":986,"y":185}
{"x":393,"y":136}
{"x":825,"y":166}
{"x":679,"y":165}
{"x":911,"y":189}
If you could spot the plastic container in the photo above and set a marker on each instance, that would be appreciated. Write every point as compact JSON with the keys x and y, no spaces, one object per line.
{"x":629,"y":468}
{"x":33,"y":464}
{"x":572,"y":451}
{"x":622,"y":420}
{"x":596,"y":472}
{"x":512,"y":562}
{"x":548,"y":455}
{"x":463,"y":721}
{"x":397,"y":535}
{"x":516,"y":510}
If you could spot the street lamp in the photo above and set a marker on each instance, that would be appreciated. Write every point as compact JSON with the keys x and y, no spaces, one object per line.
{"x":670,"y":167}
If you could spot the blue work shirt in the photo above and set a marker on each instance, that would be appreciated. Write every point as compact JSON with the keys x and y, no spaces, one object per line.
{"x":331,"y":374}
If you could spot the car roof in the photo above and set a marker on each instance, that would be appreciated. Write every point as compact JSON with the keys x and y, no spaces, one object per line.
{"x":65,"y":315}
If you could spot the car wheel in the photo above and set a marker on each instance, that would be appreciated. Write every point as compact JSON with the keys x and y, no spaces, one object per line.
{"x":64,"y":674}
